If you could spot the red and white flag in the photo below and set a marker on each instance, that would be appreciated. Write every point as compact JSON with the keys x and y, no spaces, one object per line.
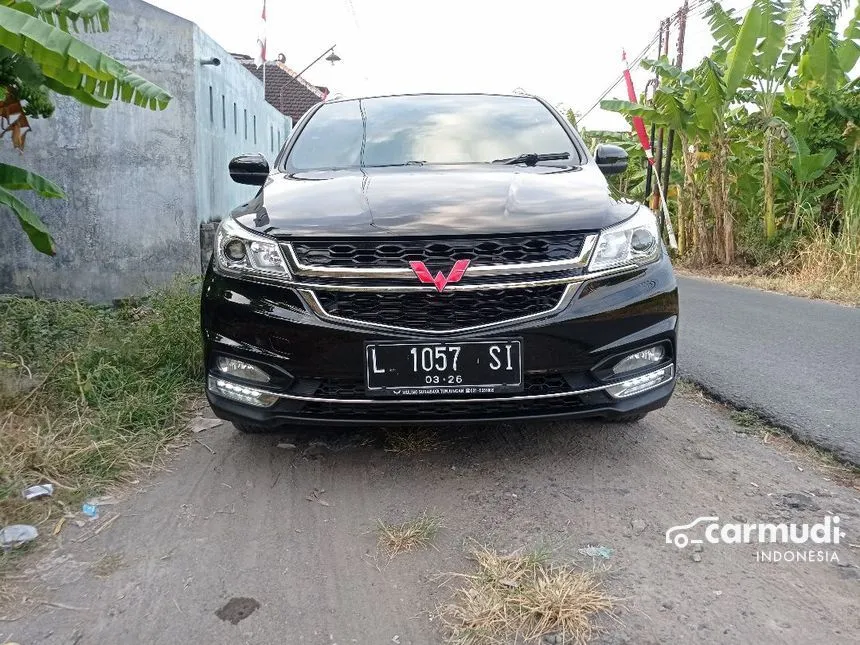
{"x":639,"y":126}
{"x":638,"y":123}
{"x":261,"y":39}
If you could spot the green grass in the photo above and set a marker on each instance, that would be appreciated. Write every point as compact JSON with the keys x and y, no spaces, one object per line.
{"x":749,"y":421}
{"x":89,"y":393}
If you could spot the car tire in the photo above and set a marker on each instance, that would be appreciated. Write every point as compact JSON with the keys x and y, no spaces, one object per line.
{"x":248,"y":428}
{"x":629,"y":418}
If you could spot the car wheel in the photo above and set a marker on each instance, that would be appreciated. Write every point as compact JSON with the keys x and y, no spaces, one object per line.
{"x":629,"y":418}
{"x":248,"y":428}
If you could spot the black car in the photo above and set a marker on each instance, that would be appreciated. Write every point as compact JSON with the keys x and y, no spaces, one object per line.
{"x":437,"y":258}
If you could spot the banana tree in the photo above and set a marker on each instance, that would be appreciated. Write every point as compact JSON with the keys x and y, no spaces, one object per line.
{"x":699,"y":103}
{"x":776,"y":52}
{"x":826,"y":60}
{"x":39,"y":55}
{"x":90,"y":15}
{"x":806,"y":168}
{"x":674,"y":107}
{"x":848,"y":49}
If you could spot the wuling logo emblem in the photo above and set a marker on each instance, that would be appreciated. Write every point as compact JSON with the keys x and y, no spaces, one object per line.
{"x":440,"y":280}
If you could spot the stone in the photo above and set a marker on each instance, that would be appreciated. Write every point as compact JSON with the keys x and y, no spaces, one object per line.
{"x":704,"y":453}
{"x":800,"y":501}
{"x":316,"y":450}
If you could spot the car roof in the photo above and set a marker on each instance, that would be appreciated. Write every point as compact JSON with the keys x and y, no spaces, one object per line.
{"x":414,"y":94}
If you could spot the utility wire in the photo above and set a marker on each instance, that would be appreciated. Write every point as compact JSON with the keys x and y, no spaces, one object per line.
{"x":697,"y":9}
{"x":615,"y":83}
{"x":638,"y":59}
{"x":350,"y":7}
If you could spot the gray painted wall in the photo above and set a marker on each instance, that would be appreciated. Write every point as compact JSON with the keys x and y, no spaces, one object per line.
{"x":220,"y":138}
{"x":138,"y":182}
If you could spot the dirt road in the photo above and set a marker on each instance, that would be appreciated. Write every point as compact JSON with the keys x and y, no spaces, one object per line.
{"x":245,"y":522}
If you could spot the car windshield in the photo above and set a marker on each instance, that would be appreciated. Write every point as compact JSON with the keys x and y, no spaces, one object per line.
{"x":428,"y":129}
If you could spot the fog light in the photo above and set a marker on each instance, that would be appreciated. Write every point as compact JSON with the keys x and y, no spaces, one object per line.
{"x":642,"y":383}
{"x":241,"y":393}
{"x":241,"y":369}
{"x":636,"y":361}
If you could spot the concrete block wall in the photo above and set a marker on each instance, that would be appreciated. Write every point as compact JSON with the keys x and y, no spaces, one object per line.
{"x":138,"y":183}
{"x":232,"y":118}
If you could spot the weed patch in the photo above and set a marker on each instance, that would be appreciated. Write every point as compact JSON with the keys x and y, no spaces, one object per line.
{"x":412,"y":441}
{"x":522,"y":597}
{"x":89,"y":393}
{"x":816,"y":279}
{"x":417,"y":533}
{"x":747,"y":421}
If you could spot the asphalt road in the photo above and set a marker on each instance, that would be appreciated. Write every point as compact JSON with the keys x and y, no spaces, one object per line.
{"x":793,"y":360}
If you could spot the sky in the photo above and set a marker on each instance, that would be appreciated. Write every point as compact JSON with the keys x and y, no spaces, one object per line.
{"x":567,"y":51}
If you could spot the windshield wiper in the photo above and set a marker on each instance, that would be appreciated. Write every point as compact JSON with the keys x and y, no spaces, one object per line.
{"x":394,"y":165}
{"x":531,"y":158}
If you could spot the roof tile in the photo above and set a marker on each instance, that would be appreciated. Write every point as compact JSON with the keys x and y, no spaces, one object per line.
{"x":287,"y":94}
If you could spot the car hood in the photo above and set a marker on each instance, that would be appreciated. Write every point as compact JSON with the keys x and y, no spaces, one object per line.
{"x":424,"y":201}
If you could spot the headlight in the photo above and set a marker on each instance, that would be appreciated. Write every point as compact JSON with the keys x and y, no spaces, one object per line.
{"x":239,"y":251}
{"x":636,"y":240}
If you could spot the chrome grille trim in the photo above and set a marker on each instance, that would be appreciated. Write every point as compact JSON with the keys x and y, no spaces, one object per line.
{"x":315,"y":306}
{"x":579,"y":262}
{"x":459,"y":286}
{"x":499,"y":399}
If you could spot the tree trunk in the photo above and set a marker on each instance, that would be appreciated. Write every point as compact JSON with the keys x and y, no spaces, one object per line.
{"x":714,"y":171}
{"x":729,"y":237}
{"x":717,"y":214}
{"x":769,"y":216}
{"x":728,"y":216}
{"x":701,"y":240}
{"x":718,"y":193}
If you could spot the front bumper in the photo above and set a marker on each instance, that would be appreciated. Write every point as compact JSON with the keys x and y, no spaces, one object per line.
{"x":318,"y":365}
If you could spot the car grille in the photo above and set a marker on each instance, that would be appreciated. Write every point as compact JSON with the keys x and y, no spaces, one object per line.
{"x":439,"y":252}
{"x":534,"y":384}
{"x":440,"y":311}
{"x":490,"y":409}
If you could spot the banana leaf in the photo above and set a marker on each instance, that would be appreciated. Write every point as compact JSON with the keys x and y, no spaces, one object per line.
{"x":74,"y":65}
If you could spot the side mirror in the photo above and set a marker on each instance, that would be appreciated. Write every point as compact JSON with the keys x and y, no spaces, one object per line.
{"x":251,"y":169}
{"x":612,"y":160}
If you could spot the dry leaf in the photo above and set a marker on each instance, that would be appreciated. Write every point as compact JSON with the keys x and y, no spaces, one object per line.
{"x":315,"y":497}
{"x":203,"y":423}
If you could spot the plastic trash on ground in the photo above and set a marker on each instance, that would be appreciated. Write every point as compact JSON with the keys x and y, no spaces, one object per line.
{"x":16,"y":535}
{"x":91,"y":510}
{"x":40,"y":490}
{"x":597,"y":552}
